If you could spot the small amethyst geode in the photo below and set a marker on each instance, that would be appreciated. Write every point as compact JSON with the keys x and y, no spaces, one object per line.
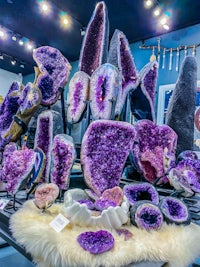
{"x":96,"y":242}
{"x":175,"y":210}
{"x":105,"y":148}
{"x":141,"y":191}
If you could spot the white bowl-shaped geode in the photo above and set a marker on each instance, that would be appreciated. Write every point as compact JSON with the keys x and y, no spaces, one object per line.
{"x":79,"y":214}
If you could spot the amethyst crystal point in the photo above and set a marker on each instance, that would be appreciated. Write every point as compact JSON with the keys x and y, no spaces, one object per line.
{"x":104,"y":86}
{"x":120,"y":56}
{"x":54,"y":70}
{"x":102,"y":204}
{"x":17,"y":168}
{"x":88,"y":203}
{"x":77,"y":96}
{"x":150,"y":152}
{"x":96,"y":242}
{"x":143,"y":98}
{"x":95,"y":43}
{"x":105,"y":148}
{"x":181,"y":109}
{"x":174,"y":210}
{"x":146,"y":216}
{"x":63,"y":156}
{"x":141,"y":191}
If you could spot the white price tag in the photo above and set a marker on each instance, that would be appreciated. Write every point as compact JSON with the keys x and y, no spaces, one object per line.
{"x":3,"y":203}
{"x":59,"y":223}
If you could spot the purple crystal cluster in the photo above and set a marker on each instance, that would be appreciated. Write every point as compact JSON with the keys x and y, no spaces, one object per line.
{"x":105,"y":148}
{"x":63,"y":156}
{"x":102,"y":204}
{"x":54,"y":70}
{"x":104,"y":86}
{"x":154,"y":154}
{"x":89,"y":203}
{"x":95,"y":43}
{"x":124,"y":232}
{"x":96,"y":242}
{"x":78,"y":92}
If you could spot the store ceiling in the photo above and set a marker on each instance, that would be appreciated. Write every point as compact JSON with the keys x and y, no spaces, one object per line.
{"x":130,"y":16}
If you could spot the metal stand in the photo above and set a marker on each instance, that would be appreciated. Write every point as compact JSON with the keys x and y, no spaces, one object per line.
{"x":61,"y":90}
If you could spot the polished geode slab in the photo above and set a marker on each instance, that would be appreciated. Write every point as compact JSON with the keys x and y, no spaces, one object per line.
{"x":104,"y":86}
{"x":105,"y":148}
{"x":95,"y":43}
{"x":96,"y":242}
{"x":63,"y":156}
{"x":154,"y":153}
{"x":120,"y":56}
{"x":52,"y":72}
{"x":78,"y":94}
{"x":142,"y":99}
{"x":45,"y":195}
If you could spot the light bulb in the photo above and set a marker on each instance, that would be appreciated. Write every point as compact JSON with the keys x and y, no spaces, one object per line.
{"x":166,"y":27}
{"x":14,"y":38}
{"x":2,"y":34}
{"x":163,"y":21}
{"x":156,"y":12}
{"x":29,"y":46}
{"x":148,"y":3}
{"x":45,"y":7}
{"x":21,"y":42}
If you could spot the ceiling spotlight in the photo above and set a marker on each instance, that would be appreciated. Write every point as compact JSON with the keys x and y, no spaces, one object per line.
{"x":148,"y":3}
{"x":2,"y":34}
{"x":29,"y":46}
{"x":163,"y":20}
{"x":21,"y":66}
{"x":14,"y":38}
{"x":166,"y":27}
{"x":156,"y":12}
{"x":13,"y":62}
{"x":1,"y":56}
{"x":65,"y":20}
{"x":21,"y":42}
{"x":44,"y":7}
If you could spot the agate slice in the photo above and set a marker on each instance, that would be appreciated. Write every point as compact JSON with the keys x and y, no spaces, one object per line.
{"x":104,"y":86}
{"x":77,"y":96}
{"x":143,"y":98}
{"x":151,"y":153}
{"x":95,"y":44}
{"x":45,"y":195}
{"x":63,"y":156}
{"x":121,"y":57}
{"x":17,"y":169}
{"x":105,"y":148}
{"x":175,"y":210}
{"x":96,"y":242}
{"x":141,"y":191}
{"x":52,"y":72}
{"x":146,"y":216}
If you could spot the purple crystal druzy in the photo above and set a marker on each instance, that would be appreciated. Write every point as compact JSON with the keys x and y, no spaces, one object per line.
{"x":105,"y":148}
{"x":63,"y":156}
{"x":124,"y":232}
{"x":174,"y":210}
{"x":187,"y":154}
{"x":96,"y":242}
{"x":91,"y":194}
{"x":141,"y":191}
{"x":89,"y":203}
{"x":54,"y":72}
{"x":114,"y":194}
{"x":9,"y":148}
{"x":102,"y":204}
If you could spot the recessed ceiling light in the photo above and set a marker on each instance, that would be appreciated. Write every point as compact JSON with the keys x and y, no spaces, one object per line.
{"x":166,"y":27}
{"x":21,"y":42}
{"x":156,"y":12}
{"x":14,"y":38}
{"x":45,"y":7}
{"x":148,"y":3}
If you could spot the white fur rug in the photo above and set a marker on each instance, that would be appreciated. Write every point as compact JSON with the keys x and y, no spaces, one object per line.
{"x":177,"y":245}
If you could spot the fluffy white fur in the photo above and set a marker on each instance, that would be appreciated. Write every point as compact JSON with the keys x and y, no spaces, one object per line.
{"x":177,"y":245}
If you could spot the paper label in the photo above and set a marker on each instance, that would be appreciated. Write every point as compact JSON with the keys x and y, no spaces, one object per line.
{"x":3,"y":203}
{"x":59,"y":223}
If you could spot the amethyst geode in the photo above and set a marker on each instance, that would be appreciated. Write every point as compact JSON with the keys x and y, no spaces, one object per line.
{"x":105,"y":148}
{"x":121,"y":57}
{"x":146,"y":215}
{"x":95,"y":43}
{"x":143,"y":98}
{"x":63,"y":156}
{"x":96,"y":242}
{"x":175,"y":210}
{"x":52,"y":72}
{"x":154,"y":154}
{"x":104,"y":86}
{"x":78,"y":94}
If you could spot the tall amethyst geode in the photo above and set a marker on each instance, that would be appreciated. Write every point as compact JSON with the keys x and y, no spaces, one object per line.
{"x":63,"y":156}
{"x":96,"y":242}
{"x":141,"y":191}
{"x":149,"y":153}
{"x":105,"y":148}
{"x":78,"y":94}
{"x":104,"y":86}
{"x":121,"y":57}
{"x":17,"y":168}
{"x":95,"y":43}
{"x":143,"y":98}
{"x":146,"y":215}
{"x":53,"y":72}
{"x":175,"y":210}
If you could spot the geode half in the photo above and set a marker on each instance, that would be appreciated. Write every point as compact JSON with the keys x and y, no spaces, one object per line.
{"x":141,"y":191}
{"x":52,"y":72}
{"x":121,"y":57}
{"x":96,"y":242}
{"x":105,"y":148}
{"x":78,"y":94}
{"x":95,"y":44}
{"x":63,"y":156}
{"x":175,"y":210}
